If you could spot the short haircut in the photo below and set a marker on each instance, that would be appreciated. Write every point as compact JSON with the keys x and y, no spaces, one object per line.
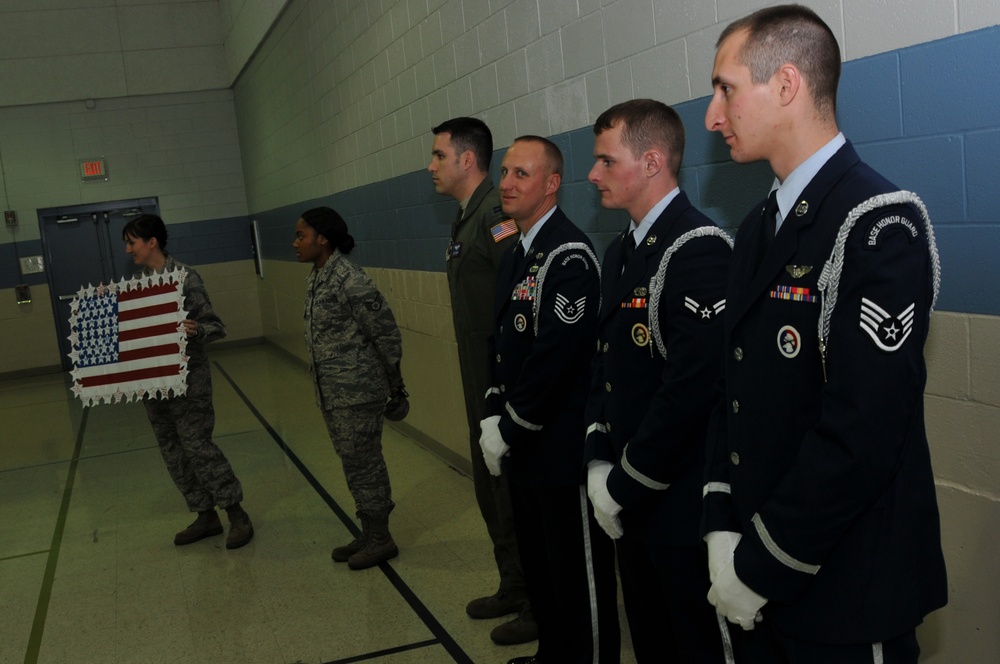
{"x":470,"y":134}
{"x":146,"y":227}
{"x":795,"y":34}
{"x":552,"y":151}
{"x":646,"y":123}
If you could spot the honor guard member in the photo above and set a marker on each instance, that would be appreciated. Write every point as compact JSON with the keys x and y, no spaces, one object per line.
{"x":820,"y":511}
{"x":655,"y":379}
{"x":481,"y":233}
{"x":547,"y":301}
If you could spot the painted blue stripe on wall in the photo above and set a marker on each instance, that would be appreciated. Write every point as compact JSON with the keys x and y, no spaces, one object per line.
{"x":920,"y":115}
{"x":983,"y":177}
{"x":195,"y":243}
{"x":211,"y":241}
{"x":946,"y":84}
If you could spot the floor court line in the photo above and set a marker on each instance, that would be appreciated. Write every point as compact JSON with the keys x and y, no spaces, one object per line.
{"x":89,"y":457}
{"x":24,"y":555}
{"x":45,"y":593}
{"x":442,"y":636}
{"x":382,"y":653}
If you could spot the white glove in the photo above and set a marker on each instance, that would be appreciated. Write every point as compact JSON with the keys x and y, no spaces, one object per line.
{"x":491,"y":442}
{"x":605,"y":508}
{"x":735,"y":600}
{"x":721,"y":546}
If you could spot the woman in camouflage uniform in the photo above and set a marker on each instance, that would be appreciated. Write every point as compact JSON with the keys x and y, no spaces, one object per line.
{"x":354,"y":349}
{"x":183,"y":424}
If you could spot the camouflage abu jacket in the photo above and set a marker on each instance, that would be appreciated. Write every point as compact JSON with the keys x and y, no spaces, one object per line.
{"x":352,"y":341}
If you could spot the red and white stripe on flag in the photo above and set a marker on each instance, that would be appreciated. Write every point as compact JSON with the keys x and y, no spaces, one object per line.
{"x":128,"y":340}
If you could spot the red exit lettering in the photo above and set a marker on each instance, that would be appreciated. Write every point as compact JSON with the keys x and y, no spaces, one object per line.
{"x":92,"y":168}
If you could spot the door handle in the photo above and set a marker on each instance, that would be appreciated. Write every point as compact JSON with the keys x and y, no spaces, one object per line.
{"x":66,"y":298}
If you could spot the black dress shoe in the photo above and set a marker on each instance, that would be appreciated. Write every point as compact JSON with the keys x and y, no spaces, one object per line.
{"x":524,"y":660}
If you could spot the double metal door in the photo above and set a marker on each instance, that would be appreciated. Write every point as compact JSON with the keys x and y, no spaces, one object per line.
{"x":83,"y":246}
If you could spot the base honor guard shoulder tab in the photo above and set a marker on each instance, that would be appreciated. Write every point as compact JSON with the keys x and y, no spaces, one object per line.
{"x":889,"y":224}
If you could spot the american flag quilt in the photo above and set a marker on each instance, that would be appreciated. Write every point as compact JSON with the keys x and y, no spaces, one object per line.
{"x":127,"y":339}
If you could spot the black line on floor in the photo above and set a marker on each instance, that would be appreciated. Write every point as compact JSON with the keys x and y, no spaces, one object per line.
{"x":24,"y":555}
{"x":382,"y":653}
{"x":436,"y":628}
{"x":45,"y":593}
{"x":89,"y":457}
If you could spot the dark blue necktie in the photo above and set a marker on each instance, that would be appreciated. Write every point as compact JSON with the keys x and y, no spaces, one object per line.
{"x":628,"y":246}
{"x":768,"y":223}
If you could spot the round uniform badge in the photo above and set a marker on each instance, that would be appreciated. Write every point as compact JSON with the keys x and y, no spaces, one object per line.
{"x":789,"y":341}
{"x":640,"y":334}
{"x":520,"y":323}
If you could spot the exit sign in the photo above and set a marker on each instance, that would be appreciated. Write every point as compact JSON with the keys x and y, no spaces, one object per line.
{"x":93,"y":170}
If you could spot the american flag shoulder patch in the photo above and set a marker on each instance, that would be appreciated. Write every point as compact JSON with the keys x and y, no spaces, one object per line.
{"x":127,"y":339}
{"x":503,"y":230}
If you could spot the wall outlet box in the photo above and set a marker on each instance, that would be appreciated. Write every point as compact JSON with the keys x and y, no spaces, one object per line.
{"x":10,"y":217}
{"x":23,"y":293}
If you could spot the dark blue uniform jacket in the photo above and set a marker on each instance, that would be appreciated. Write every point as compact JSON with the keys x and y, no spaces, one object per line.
{"x":647,"y":413}
{"x":822,"y":462}
{"x":539,"y":379}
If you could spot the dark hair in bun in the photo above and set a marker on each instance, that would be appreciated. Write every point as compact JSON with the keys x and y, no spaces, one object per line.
{"x":328,"y":223}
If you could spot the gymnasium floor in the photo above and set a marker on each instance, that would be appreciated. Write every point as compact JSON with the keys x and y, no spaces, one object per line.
{"x":89,"y":572}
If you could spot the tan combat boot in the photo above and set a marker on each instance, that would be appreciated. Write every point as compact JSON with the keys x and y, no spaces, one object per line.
{"x":206,"y":525}
{"x":240,"y":528}
{"x":341,"y":554}
{"x":378,"y":546}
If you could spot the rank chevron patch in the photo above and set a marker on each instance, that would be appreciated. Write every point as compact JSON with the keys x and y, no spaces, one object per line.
{"x":569,"y":312}
{"x":705,"y":313}
{"x":887,"y":332}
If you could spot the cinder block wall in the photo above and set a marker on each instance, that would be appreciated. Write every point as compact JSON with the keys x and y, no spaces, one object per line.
{"x":337,"y":106}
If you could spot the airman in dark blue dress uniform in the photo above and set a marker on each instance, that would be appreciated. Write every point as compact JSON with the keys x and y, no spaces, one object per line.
{"x":820,"y":509}
{"x":546,"y":310}
{"x":654,"y":382}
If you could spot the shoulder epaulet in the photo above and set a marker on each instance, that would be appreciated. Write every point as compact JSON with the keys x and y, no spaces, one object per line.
{"x":587,"y":253}
{"x":829,"y":279}
{"x":656,"y":283}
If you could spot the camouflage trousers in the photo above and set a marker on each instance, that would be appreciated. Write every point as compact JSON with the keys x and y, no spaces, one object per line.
{"x":356,"y":432}
{"x":183,"y":428}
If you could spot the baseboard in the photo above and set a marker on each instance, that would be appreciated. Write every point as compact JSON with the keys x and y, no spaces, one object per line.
{"x":449,"y":456}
